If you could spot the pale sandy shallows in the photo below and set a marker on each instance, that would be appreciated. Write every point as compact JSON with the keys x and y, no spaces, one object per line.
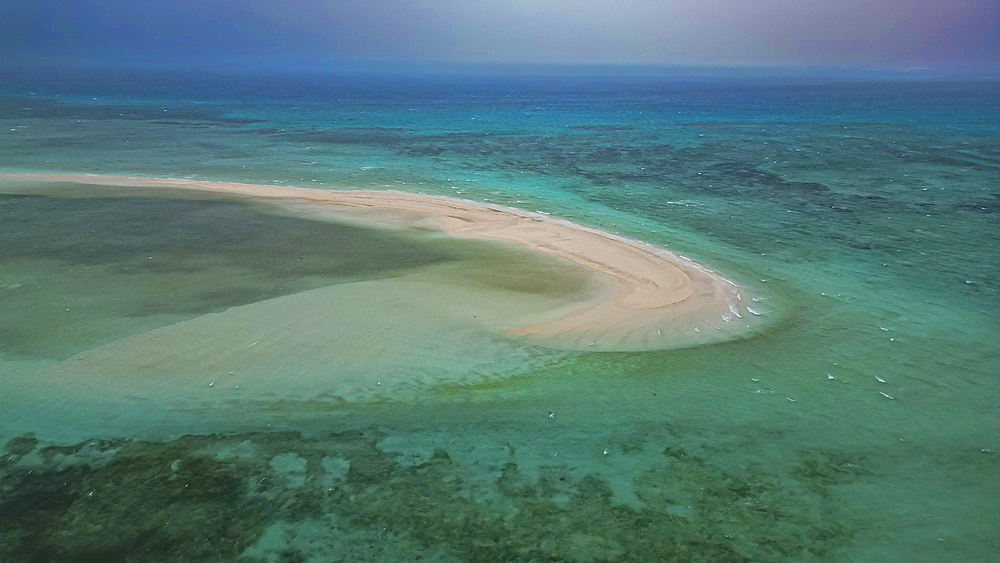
{"x":652,"y":298}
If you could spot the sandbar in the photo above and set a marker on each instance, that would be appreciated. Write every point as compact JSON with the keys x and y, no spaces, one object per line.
{"x":649,"y":298}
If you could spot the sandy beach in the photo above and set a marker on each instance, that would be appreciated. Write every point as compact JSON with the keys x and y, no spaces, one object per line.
{"x":649,"y":298}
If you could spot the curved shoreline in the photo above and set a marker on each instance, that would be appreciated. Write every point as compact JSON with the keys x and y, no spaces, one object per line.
{"x":654,"y":298}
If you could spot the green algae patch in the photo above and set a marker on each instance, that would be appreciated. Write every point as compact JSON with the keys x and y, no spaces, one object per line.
{"x":78,"y":272}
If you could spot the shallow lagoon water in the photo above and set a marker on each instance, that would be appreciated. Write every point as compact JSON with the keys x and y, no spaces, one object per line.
{"x":862,"y":424}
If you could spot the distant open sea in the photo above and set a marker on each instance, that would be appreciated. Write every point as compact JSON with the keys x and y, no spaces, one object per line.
{"x":861,"y":422}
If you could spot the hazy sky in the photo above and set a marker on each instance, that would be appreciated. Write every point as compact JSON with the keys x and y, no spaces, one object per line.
{"x":865,"y":32}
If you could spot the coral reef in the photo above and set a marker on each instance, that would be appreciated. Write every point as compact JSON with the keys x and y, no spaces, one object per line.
{"x":268,"y":497}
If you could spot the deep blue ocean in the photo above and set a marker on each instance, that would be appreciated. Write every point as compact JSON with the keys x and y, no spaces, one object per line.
{"x":860,"y":422}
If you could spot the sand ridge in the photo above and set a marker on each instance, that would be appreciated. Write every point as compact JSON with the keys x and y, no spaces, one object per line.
{"x":651,"y":298}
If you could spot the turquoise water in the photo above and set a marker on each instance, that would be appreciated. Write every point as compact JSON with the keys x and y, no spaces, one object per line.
{"x":861,"y":424}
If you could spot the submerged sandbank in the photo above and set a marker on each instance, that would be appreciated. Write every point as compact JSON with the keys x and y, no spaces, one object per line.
{"x":649,"y":297}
